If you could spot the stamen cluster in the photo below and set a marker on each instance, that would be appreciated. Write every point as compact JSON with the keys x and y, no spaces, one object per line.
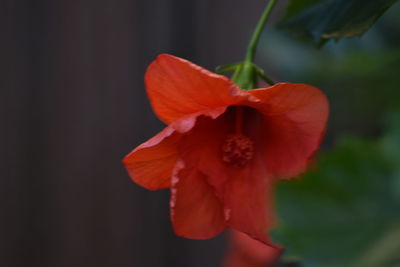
{"x":237,"y":150}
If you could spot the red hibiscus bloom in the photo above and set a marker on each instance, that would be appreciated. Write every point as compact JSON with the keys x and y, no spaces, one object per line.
{"x":224,"y":147}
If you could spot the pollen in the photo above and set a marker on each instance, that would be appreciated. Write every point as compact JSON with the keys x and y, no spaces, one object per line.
{"x":237,"y":150}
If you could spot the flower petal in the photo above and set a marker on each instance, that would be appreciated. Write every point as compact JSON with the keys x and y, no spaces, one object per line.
{"x":150,"y":164}
{"x":201,"y":148}
{"x":247,"y":252}
{"x":248,"y":200}
{"x":177,"y":87}
{"x":246,"y":192}
{"x":195,"y":210}
{"x":249,"y":189}
{"x":294,"y":122}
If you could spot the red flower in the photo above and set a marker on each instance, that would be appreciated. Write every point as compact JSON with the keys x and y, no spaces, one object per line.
{"x":224,"y":147}
{"x":247,"y":252}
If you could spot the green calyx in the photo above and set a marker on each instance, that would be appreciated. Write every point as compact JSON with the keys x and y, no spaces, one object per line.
{"x":245,"y":74}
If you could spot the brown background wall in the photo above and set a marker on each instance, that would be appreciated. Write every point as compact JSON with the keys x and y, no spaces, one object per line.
{"x":73,"y":104}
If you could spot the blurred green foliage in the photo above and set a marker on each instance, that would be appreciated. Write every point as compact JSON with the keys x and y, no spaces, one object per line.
{"x":346,"y":211}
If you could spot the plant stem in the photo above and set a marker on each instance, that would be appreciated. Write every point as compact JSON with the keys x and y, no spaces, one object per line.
{"x":252,"y":47}
{"x":247,"y":73}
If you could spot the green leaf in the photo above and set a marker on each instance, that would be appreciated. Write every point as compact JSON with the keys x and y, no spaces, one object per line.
{"x":294,"y":6}
{"x":327,"y":19}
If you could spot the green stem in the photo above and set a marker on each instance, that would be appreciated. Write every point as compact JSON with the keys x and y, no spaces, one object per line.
{"x":252,"y":47}
{"x":247,"y":73}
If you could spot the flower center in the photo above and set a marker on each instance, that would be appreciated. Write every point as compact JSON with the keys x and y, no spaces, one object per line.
{"x":237,"y":150}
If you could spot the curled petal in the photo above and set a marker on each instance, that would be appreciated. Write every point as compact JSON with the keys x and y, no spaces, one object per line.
{"x":150,"y":164}
{"x":295,"y":117}
{"x":177,"y":87}
{"x":195,"y":210}
{"x":186,"y":123}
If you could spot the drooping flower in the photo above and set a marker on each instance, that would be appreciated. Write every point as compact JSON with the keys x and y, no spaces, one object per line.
{"x":224,"y":147}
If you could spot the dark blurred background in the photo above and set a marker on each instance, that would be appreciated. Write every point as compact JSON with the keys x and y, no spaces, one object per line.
{"x":73,"y":104}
